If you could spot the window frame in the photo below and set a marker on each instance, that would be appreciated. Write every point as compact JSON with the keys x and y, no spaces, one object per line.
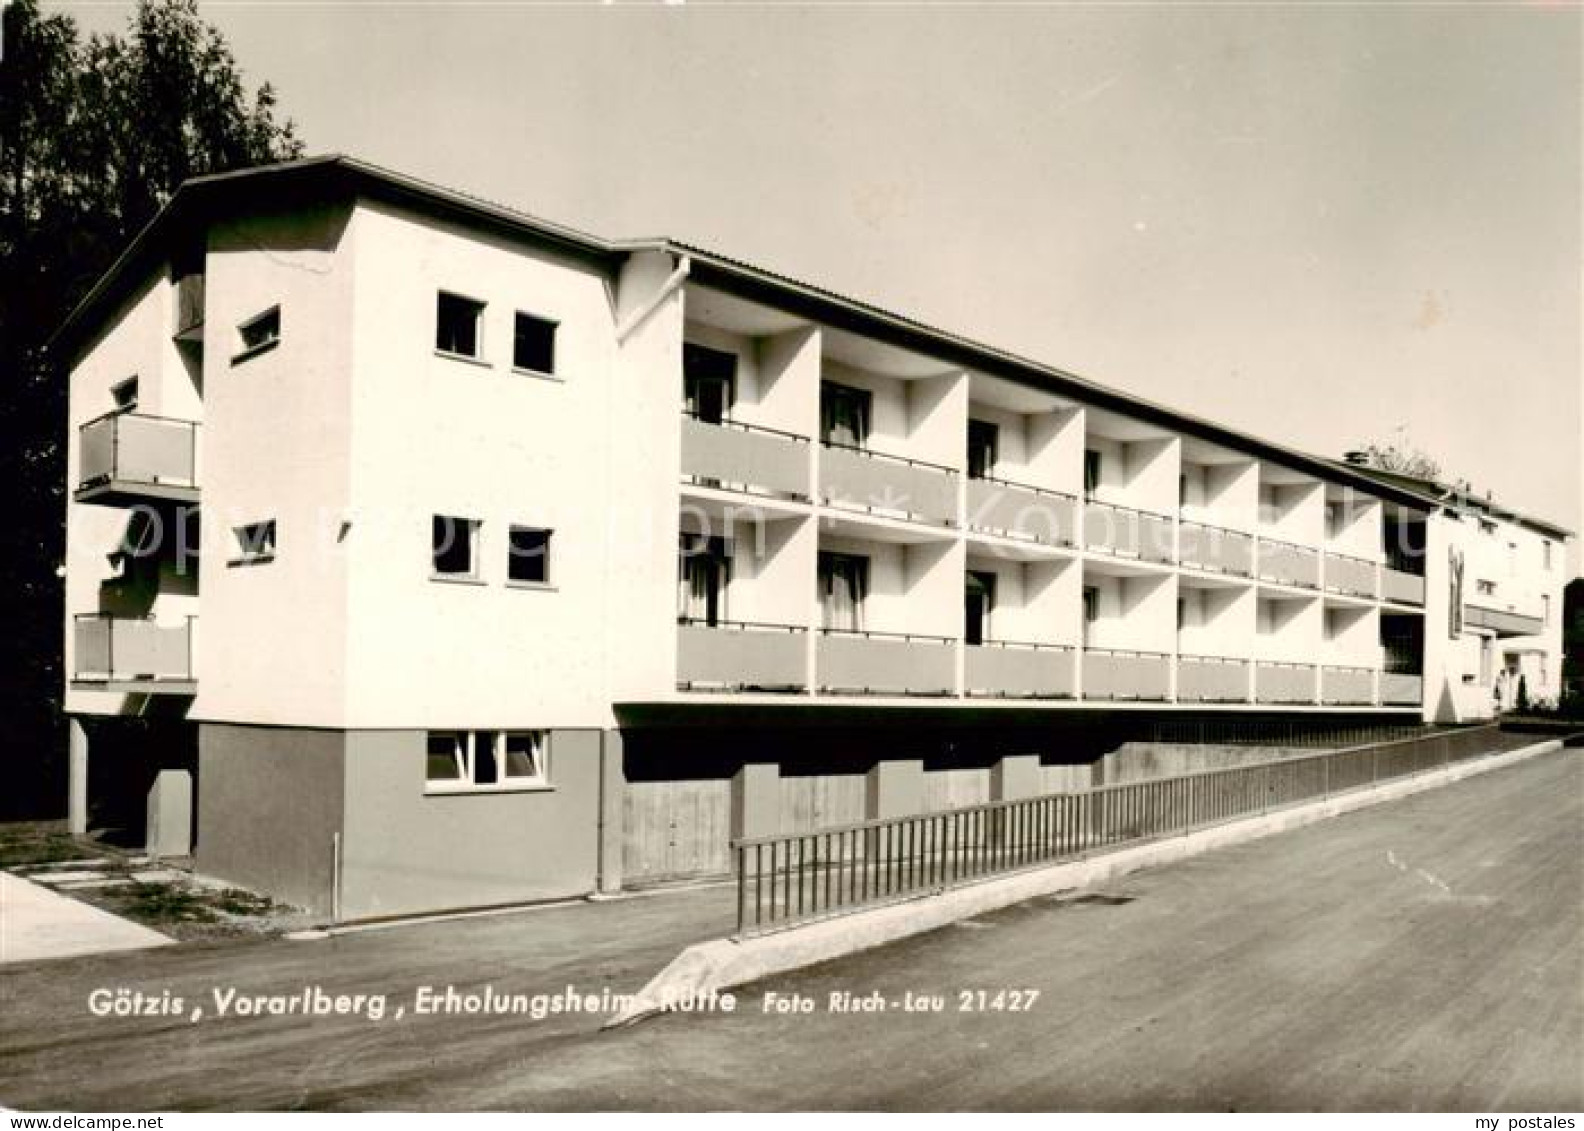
{"x":554,"y":327}
{"x":475,"y":529}
{"x":480,"y":306}
{"x":263,"y":345}
{"x":250,"y":548}
{"x":862,"y":402}
{"x":549,"y":579}
{"x":984,"y":436}
{"x":1093,"y":463}
{"x":467,"y":762}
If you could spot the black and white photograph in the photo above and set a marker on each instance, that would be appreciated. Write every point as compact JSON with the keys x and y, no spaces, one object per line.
{"x":881,"y":556}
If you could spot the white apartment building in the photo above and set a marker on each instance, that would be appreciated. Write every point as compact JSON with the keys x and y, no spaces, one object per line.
{"x":449,"y":557}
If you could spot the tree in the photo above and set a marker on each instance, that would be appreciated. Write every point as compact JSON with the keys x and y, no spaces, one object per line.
{"x":1401,"y":459}
{"x":96,"y":136}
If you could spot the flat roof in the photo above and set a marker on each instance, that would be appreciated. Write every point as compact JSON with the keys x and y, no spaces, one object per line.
{"x":336,"y":176}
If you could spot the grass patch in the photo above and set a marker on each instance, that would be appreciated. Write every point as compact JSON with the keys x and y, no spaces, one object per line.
{"x":24,"y":844}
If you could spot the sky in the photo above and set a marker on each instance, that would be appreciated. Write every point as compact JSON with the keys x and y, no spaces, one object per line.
{"x":1322,"y":224}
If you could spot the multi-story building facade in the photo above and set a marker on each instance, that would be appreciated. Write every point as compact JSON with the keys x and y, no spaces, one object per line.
{"x":462,"y":558}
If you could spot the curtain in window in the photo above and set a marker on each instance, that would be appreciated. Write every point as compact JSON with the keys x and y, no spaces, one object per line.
{"x":844,"y":580}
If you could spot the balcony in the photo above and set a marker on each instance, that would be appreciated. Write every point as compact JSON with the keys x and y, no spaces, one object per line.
{"x":1127,"y":533}
{"x":1347,"y":687}
{"x":126,"y":458}
{"x":1016,"y":510}
{"x":888,"y":485}
{"x":1502,"y":623}
{"x":127,"y":654}
{"x":884,"y":663}
{"x":1287,"y":564}
{"x":745,"y":457}
{"x":1213,"y":548}
{"x":741,"y":656}
{"x":1212,"y":679}
{"x":1353,"y":577}
{"x":1277,"y":682}
{"x":1110,"y":673}
{"x":1402,"y":588}
{"x":189,"y":308}
{"x":1009,"y":670}
{"x":1402,"y":689}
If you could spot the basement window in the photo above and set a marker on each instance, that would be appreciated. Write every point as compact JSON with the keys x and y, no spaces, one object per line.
{"x":482,"y":761}
{"x":533,"y":344}
{"x":459,"y":326}
{"x":255,"y":543}
{"x":453,"y":548}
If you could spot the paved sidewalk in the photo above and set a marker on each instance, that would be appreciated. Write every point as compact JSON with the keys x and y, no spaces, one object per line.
{"x":36,"y":923}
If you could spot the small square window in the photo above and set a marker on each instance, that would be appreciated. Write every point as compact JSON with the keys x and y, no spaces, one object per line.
{"x":447,"y":761}
{"x":533,"y":344}
{"x":125,"y":395}
{"x":524,"y":756}
{"x":454,"y":546}
{"x":529,"y":561}
{"x":459,"y":325}
{"x":260,"y":332}
{"x":255,"y":542}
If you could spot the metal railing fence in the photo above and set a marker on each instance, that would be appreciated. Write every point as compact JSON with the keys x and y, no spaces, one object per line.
{"x":787,"y":881}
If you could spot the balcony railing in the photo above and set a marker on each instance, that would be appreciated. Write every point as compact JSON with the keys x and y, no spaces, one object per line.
{"x":1352,"y":576}
{"x":1007,"y":669}
{"x":1402,"y":588}
{"x":1501,"y":622}
{"x":1128,"y":532}
{"x":1112,"y":673}
{"x":1399,"y":689}
{"x":1347,"y":687}
{"x":1212,"y":679}
{"x":1279,"y":682}
{"x":745,"y":457}
{"x":1211,"y":547}
{"x":999,"y":506}
{"x":885,"y":663}
{"x":1287,"y":564}
{"x":127,"y":456}
{"x":741,"y":656}
{"x":887,"y":484}
{"x":133,"y":654}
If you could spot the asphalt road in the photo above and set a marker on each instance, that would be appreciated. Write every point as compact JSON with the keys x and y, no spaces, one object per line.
{"x":1424,"y":954}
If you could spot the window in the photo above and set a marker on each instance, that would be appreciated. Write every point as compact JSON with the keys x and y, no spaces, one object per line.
{"x":1091,"y":604}
{"x":528,"y":560}
{"x":703,"y":578}
{"x":533,"y":344}
{"x":125,"y":395}
{"x":1512,"y":559}
{"x":1545,"y":610}
{"x":844,"y":414}
{"x":1545,"y":551}
{"x":709,"y":382}
{"x":459,"y":326}
{"x":1486,"y":588}
{"x":460,"y":761}
{"x":1182,"y":489}
{"x":983,"y":441}
{"x":259,"y":333}
{"x":255,"y":542}
{"x":1487,"y":526}
{"x":843,"y":582}
{"x":1091,"y":471}
{"x":454,"y":547}
{"x":979,"y":602}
